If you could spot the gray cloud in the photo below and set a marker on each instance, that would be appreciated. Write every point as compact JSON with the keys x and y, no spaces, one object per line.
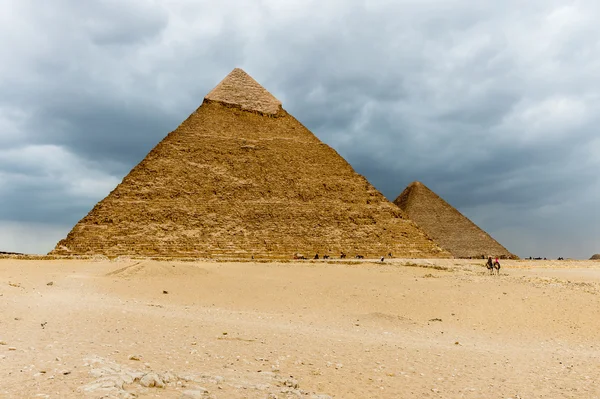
{"x":492,"y":105}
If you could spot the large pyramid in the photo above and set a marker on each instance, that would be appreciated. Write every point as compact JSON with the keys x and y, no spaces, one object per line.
{"x":447,"y":226}
{"x":241,"y":177}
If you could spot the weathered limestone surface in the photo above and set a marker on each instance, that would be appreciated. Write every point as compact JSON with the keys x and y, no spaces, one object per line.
{"x":448,"y":227}
{"x":232,"y":181}
{"x":240,"y":89}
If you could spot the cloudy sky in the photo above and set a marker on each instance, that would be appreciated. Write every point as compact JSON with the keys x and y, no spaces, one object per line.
{"x":495,"y":105}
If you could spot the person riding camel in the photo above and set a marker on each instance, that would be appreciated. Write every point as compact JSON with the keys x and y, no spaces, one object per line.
{"x":490,"y":264}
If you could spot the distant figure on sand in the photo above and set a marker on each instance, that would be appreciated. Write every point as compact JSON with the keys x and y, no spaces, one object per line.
{"x":490,"y":265}
{"x":317,"y":256}
{"x":497,"y":265}
{"x":382,"y":259}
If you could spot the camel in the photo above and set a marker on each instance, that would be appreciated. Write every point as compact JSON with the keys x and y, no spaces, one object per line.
{"x":493,"y":266}
{"x":496,"y":266}
{"x":490,"y":265}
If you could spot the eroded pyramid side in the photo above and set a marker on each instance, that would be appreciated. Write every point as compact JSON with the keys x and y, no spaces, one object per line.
{"x":446,"y":225}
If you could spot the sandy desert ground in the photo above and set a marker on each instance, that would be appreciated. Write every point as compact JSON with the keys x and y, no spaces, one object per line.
{"x":403,"y":329}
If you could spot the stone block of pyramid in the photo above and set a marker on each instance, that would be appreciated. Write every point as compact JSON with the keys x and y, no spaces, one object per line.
{"x":447,"y":226}
{"x":240,"y":177}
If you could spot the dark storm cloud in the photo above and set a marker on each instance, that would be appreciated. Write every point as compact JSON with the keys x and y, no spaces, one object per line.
{"x":493,"y":106}
{"x":103,"y":130}
{"x":104,"y":22}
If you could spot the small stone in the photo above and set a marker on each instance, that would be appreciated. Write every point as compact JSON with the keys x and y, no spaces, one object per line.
{"x":218,"y":379}
{"x":168,"y":377}
{"x":165,"y":292}
{"x":133,"y":376}
{"x":3,"y":343}
{"x":135,"y":357}
{"x":197,"y":393}
{"x":152,"y":380}
{"x":50,"y":283}
{"x":66,"y":372}
{"x":291,"y":383}
{"x":12,"y":348}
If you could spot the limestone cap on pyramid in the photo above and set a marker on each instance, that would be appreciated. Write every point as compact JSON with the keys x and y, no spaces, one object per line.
{"x":239,"y":88}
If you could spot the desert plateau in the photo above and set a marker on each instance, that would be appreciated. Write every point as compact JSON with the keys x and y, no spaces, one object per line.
{"x":443,"y":328}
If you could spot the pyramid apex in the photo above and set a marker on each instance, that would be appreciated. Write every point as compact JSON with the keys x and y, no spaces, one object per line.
{"x":239,"y":88}
{"x":416,"y":185}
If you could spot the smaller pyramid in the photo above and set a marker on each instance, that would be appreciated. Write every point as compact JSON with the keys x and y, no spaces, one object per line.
{"x":595,"y":257}
{"x":448,"y":227}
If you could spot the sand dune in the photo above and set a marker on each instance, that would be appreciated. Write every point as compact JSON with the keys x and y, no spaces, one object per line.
{"x":408,"y":328}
